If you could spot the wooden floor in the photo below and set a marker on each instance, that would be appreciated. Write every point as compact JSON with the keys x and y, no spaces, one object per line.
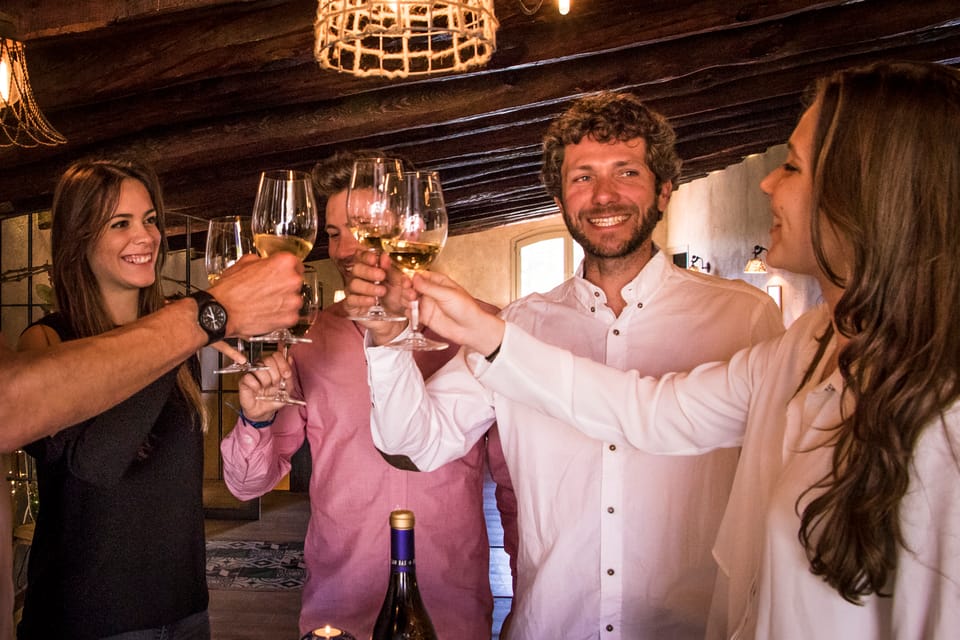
{"x":273,"y":615}
{"x":260,"y":615}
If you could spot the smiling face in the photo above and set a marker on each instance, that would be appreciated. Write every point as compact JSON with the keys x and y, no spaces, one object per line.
{"x":343,"y":245}
{"x":610,"y":203}
{"x":790,"y":187}
{"x":124,"y":257}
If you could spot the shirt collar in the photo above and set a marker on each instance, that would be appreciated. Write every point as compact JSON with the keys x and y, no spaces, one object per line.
{"x":641,"y":289}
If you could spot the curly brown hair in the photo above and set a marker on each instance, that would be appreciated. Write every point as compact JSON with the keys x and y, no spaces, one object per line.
{"x":608,"y":117}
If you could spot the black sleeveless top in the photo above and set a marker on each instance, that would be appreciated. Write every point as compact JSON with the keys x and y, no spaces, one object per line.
{"x":119,"y":539}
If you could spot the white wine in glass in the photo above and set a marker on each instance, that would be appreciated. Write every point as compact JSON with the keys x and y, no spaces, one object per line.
{"x":284,"y":219}
{"x":370,"y":217}
{"x":268,"y":245}
{"x":228,"y":239}
{"x":285,"y":213}
{"x":418,"y":199}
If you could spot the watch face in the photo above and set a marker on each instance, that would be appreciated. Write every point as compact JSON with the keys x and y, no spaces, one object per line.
{"x":213,"y":317}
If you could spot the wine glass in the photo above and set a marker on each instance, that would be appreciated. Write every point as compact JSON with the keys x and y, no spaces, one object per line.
{"x":229,"y":238}
{"x":370,"y":219}
{"x":310,"y":295}
{"x":418,"y":200}
{"x":284,"y":219}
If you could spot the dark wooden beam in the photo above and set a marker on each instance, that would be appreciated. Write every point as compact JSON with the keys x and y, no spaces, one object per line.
{"x":214,"y":91}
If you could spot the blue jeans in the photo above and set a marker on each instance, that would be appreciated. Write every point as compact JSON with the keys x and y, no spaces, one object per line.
{"x":195,"y":627}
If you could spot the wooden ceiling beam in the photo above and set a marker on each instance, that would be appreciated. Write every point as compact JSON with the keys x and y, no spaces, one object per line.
{"x":214,"y":93}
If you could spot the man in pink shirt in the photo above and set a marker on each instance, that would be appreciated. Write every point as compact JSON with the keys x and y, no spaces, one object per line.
{"x":352,"y":487}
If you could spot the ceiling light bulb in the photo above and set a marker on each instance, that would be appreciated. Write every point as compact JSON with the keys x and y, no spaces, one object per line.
{"x":9,"y":94}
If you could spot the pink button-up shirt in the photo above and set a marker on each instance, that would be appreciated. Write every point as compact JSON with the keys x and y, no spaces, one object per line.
{"x":353,"y":490}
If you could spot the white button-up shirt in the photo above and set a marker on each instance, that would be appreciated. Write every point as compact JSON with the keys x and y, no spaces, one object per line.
{"x":768,"y":590}
{"x":614,"y":543}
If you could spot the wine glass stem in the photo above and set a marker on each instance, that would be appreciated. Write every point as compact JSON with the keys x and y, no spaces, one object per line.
{"x":415,"y":315}
{"x":282,"y":386}
{"x":376,"y":299}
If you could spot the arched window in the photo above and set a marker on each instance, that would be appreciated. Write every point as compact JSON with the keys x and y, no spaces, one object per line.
{"x":543,"y":259}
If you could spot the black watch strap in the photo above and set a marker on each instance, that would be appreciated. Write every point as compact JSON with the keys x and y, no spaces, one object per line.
{"x":211,"y":316}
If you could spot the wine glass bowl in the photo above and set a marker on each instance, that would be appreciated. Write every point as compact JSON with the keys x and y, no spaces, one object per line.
{"x":311,"y":301}
{"x":311,"y":294}
{"x":229,"y":238}
{"x":285,"y":213}
{"x":284,"y":219}
{"x":371,"y":219}
{"x":417,"y":198}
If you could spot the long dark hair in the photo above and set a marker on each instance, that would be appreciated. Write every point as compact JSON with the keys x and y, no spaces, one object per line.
{"x":84,"y":200}
{"x":886,"y":181}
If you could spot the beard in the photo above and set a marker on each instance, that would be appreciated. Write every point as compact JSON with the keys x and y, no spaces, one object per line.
{"x":640,"y":235}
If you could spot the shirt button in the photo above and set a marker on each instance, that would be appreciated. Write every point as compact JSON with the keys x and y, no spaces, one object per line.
{"x":639,"y":305}
{"x":616,"y":332}
{"x":593,"y":309}
{"x":609,"y":627}
{"x":610,"y":572}
{"x":610,"y":509}
{"x":613,"y":447}
{"x":596,"y":294}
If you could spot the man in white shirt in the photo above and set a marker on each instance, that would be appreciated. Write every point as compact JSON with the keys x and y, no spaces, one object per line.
{"x":614,"y":543}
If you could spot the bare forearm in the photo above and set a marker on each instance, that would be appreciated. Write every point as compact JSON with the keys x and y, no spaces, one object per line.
{"x":47,"y":390}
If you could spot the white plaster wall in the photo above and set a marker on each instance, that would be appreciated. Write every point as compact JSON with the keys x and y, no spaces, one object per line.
{"x":722,"y":216}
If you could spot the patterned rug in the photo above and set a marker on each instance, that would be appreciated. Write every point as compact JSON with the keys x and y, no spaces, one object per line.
{"x":255,"y":565}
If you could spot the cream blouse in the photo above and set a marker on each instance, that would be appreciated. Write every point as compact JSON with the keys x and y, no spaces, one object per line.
{"x":765,"y":588}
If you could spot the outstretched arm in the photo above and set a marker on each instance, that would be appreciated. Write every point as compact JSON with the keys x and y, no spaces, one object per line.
{"x":44,"y":391}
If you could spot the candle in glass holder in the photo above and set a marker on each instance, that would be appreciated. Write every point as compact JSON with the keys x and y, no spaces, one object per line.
{"x":326,"y":632}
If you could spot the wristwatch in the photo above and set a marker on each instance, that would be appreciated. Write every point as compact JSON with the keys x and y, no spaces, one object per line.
{"x":211,"y":316}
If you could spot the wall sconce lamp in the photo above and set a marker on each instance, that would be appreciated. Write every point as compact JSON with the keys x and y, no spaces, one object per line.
{"x":404,"y":38}
{"x":21,"y":122}
{"x":755,"y":264}
{"x":699,"y":264}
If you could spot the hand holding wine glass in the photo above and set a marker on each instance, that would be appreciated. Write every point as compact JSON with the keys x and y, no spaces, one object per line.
{"x":229,"y":238}
{"x":418,"y":200}
{"x":284,"y":219}
{"x":370,"y":217}
{"x":309,"y":310}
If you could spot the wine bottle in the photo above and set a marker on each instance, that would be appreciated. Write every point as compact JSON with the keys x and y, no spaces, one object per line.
{"x":403,"y":616}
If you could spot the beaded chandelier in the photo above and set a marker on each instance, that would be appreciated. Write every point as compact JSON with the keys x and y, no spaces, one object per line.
{"x":21,"y":122}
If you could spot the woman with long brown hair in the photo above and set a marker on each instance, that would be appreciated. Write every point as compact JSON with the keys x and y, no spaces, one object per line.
{"x":118,"y":550}
{"x":844,"y":520}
